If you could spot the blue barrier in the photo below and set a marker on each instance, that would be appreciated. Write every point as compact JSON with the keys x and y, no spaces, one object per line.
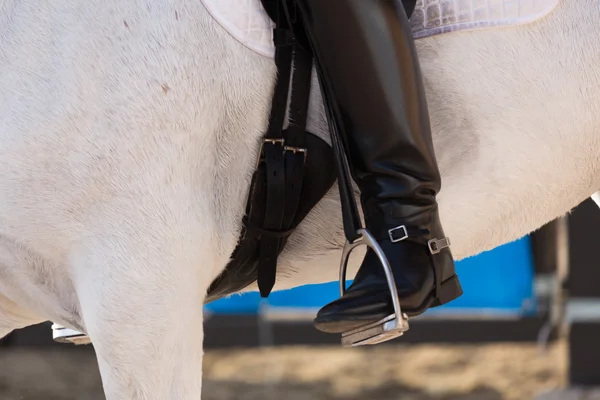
{"x":495,"y":282}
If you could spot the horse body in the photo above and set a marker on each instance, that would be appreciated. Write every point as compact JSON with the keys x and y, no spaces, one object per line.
{"x":129,"y":134}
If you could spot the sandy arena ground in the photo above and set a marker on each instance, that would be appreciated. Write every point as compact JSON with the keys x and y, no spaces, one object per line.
{"x":423,"y":372}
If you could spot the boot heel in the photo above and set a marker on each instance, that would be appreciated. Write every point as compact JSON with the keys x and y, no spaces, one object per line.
{"x":450,"y":289}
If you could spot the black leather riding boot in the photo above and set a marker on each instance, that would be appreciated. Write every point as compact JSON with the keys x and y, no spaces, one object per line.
{"x":370,"y":76}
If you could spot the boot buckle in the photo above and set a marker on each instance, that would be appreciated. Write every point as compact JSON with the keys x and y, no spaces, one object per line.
{"x":436,"y":245}
{"x":401,"y":238}
{"x":389,"y":327}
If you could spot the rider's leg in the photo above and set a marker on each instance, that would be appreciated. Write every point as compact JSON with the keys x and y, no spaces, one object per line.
{"x":369,"y":70}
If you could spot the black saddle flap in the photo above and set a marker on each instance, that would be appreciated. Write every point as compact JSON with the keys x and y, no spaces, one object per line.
{"x":319,"y":176}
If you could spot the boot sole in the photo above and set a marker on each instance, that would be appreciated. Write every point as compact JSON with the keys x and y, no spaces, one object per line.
{"x":450,"y":289}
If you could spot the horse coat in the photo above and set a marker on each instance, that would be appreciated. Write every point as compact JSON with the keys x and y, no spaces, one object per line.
{"x":130,"y":131}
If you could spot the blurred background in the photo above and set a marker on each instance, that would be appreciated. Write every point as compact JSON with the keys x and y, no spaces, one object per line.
{"x":526,"y":325}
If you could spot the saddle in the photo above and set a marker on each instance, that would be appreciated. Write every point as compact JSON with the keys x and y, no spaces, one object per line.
{"x":294,"y":170}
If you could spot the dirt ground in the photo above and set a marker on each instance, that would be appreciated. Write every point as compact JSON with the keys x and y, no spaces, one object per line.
{"x":403,"y":372}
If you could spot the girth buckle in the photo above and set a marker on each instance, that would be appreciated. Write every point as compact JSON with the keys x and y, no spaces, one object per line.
{"x":295,"y":150}
{"x":281,"y":142}
{"x":259,"y":157}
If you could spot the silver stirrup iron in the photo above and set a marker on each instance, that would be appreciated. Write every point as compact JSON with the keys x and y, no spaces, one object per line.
{"x":389,"y":327}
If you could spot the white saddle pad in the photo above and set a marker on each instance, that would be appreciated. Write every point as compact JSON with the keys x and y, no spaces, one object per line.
{"x":247,"y":21}
{"x":433,"y":17}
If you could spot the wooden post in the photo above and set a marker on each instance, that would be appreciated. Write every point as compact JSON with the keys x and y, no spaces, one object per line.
{"x":583,"y":305}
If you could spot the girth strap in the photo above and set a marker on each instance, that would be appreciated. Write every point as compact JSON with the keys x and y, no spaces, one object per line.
{"x":295,"y":142}
{"x":283,"y":152}
{"x":294,"y":171}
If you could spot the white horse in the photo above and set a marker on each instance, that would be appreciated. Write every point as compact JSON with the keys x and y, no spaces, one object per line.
{"x":128,"y":136}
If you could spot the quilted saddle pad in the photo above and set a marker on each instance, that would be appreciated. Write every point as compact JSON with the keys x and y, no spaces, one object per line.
{"x":247,"y":21}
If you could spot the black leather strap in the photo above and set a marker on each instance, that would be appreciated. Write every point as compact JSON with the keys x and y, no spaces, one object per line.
{"x":295,"y":142}
{"x":284,"y":151}
{"x":294,"y":171}
{"x":350,"y":215}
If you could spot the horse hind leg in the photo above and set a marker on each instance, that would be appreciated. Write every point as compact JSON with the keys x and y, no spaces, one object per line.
{"x":142,"y":304}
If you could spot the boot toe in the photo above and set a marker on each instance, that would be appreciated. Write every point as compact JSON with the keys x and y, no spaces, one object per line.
{"x":353,"y":310}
